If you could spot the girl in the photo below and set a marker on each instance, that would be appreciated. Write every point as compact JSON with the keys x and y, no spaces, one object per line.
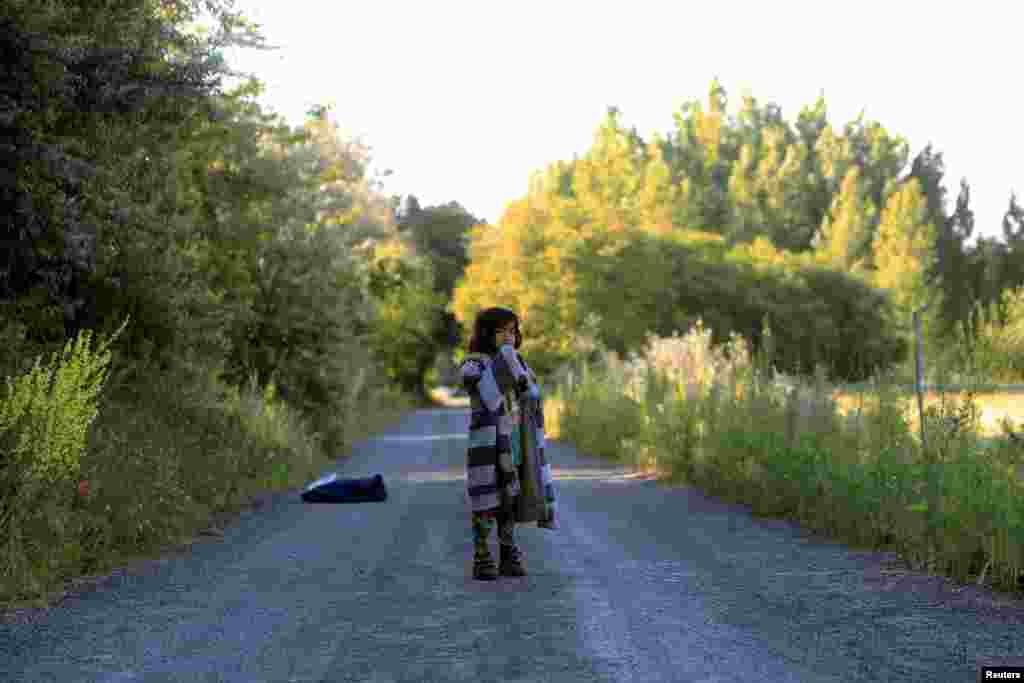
{"x":507,"y":477}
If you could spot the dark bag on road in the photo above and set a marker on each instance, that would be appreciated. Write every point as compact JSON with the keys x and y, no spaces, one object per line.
{"x":333,"y":489}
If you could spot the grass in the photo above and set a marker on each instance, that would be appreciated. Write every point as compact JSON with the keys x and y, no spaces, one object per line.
{"x":166,"y":459}
{"x":994,"y":406}
{"x":843,"y":462}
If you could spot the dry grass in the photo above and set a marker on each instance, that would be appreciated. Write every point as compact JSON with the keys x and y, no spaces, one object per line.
{"x":994,"y":407}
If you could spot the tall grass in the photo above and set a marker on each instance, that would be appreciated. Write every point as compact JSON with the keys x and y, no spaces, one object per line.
{"x":725,"y":422}
{"x":166,"y":454}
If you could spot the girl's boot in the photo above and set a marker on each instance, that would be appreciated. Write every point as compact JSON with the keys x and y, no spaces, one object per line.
{"x":511,"y":561}
{"x":484,"y":568}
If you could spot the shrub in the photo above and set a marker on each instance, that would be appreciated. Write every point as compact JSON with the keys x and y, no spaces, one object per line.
{"x":48,"y":411}
{"x":998,"y":342}
{"x":44,"y":423}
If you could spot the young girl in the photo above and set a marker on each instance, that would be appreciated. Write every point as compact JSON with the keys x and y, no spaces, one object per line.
{"x":507,"y":477}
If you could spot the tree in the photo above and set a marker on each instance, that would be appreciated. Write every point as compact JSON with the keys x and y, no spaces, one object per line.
{"x":947,"y":275}
{"x":758,"y":183}
{"x":812,"y":193}
{"x":845,"y":236}
{"x":961,"y":275}
{"x":1013,"y":234}
{"x":904,"y":248}
{"x":817,"y":314}
{"x":835,"y":158}
{"x":440,"y":234}
{"x":522,"y":263}
{"x":748,"y":216}
{"x":778,"y":181}
{"x":881,"y":157}
{"x":409,"y":326}
{"x":703,"y":161}
{"x":94,"y":99}
{"x":659,"y":194}
{"x":608,"y":179}
{"x":983,"y":277}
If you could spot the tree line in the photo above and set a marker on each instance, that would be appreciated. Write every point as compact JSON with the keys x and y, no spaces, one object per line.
{"x":138,"y":186}
{"x":831,"y":235}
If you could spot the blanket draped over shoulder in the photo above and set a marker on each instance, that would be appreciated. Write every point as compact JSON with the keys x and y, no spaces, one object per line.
{"x":506,"y":467}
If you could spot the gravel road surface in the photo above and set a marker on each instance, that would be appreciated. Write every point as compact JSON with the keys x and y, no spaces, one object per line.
{"x":643,"y":582}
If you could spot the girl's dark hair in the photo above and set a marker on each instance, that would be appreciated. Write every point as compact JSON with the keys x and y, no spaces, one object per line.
{"x":486,"y":326}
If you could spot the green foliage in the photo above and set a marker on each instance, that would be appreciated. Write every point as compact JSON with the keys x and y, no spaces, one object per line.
{"x":45,"y":418}
{"x":861,"y":337}
{"x":440,"y":234}
{"x":89,"y":90}
{"x":598,"y":418}
{"x":792,"y":200}
{"x":608,"y":180}
{"x":997,"y":347}
{"x":573,"y":249}
{"x":694,"y":414}
{"x":522,"y":265}
{"x":47,"y":412}
{"x":638,"y":284}
{"x":240,"y":248}
{"x":846,"y":231}
{"x":299,"y":346}
{"x":950,"y":276}
{"x":267,"y":270}
{"x":419,"y":284}
{"x":903,"y":253}
{"x":409,"y":326}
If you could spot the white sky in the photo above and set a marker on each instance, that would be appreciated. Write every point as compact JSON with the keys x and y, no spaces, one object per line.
{"x":462,"y":101}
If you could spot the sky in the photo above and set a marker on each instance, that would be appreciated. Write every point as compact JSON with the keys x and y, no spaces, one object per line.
{"x":463,"y":101}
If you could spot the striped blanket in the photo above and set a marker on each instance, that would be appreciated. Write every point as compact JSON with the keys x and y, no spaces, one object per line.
{"x":506,"y":467}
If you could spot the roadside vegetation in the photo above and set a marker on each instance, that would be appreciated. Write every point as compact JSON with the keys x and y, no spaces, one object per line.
{"x":849,"y":464}
{"x":162,"y":463}
{"x":199,"y":304}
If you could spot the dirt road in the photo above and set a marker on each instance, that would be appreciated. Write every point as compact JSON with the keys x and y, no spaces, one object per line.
{"x":642,"y":583}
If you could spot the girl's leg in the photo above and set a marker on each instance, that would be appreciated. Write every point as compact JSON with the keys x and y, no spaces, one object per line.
{"x":483,"y":525}
{"x":510,"y":558}
{"x":484,"y":567}
{"x":506,"y":531}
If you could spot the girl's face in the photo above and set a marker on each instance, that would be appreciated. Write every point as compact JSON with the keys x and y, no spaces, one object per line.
{"x":506,"y":334}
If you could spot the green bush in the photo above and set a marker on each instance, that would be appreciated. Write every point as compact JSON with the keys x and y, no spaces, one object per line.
{"x":663,"y":284}
{"x":49,"y":410}
{"x":600,"y":419}
{"x":45,"y":417}
{"x":997,"y":344}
